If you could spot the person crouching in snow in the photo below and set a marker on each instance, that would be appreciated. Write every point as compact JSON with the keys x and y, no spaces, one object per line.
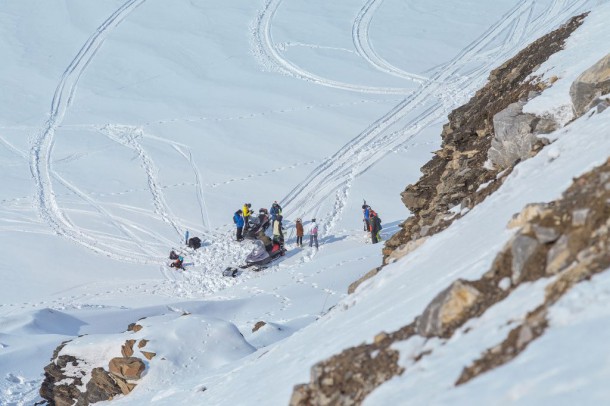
{"x":313,"y":233}
{"x":299,"y":227}
{"x":177,"y":263}
{"x":238,"y":219}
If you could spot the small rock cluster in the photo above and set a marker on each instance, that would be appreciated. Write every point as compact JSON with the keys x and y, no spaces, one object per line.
{"x":64,"y":376}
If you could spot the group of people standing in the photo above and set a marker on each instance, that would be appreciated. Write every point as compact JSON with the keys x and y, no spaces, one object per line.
{"x":272,"y":217}
{"x":372,"y":223}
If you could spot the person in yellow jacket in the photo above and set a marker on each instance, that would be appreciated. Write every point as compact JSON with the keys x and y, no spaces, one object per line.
{"x":246,"y":213}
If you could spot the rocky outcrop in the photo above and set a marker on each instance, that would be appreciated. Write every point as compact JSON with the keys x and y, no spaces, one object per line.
{"x":66,"y":375}
{"x":457,"y":178}
{"x":590,"y":86}
{"x":347,"y":378}
{"x":568,"y":238}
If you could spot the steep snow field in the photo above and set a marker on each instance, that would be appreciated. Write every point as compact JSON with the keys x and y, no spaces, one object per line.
{"x":125,"y":123}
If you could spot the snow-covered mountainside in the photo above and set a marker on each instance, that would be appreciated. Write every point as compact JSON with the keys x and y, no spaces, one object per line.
{"x":126,"y":123}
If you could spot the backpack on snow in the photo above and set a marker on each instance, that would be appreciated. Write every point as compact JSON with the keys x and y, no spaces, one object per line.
{"x":195,"y":243}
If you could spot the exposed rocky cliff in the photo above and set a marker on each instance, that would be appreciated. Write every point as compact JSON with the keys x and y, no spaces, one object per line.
{"x":457,"y":177}
{"x":563,"y":242}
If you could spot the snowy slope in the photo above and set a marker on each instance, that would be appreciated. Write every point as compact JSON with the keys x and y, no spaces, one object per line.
{"x":126,"y":123}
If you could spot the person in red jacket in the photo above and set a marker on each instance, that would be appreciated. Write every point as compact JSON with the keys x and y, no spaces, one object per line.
{"x":299,"y":227}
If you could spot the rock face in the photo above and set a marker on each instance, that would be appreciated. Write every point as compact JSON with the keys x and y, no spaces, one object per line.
{"x":447,"y":309}
{"x":515,"y":135}
{"x":590,"y":85}
{"x":457,"y":175}
{"x":569,"y":238}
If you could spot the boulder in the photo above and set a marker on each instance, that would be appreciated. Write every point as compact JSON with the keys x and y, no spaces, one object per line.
{"x":590,"y":85}
{"x":559,"y":256}
{"x":515,"y":135}
{"x":126,"y":368}
{"x":446,"y":309}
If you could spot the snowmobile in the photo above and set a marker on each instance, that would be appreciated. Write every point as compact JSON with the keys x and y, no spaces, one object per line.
{"x":258,"y":259}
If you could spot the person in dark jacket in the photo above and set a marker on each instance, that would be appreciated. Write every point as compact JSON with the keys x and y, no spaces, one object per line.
{"x":263,"y":219}
{"x":375,"y":227}
{"x":178,"y":263}
{"x":275,"y":210}
{"x":238,"y":219}
{"x":299,"y":227}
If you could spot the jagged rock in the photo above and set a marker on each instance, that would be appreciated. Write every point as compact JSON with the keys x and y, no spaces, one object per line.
{"x":148,"y":355}
{"x":515,"y":135}
{"x":126,"y":368}
{"x":66,"y":393}
{"x":258,"y":325}
{"x":100,"y":387}
{"x":446,"y":309}
{"x":412,"y":199}
{"x":142,"y":343}
{"x":522,"y":249}
{"x":134,"y":327}
{"x":590,"y":85}
{"x":127,"y":348}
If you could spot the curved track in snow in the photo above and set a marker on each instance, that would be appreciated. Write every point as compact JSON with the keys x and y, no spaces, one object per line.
{"x":361,"y":39}
{"x":269,"y":55}
{"x":40,"y":154}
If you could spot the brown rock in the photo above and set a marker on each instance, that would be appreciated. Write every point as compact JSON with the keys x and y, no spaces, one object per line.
{"x":126,"y":368}
{"x":148,"y":355}
{"x":258,"y":325}
{"x":142,"y":343}
{"x":447,"y":308}
{"x":127,"y":348}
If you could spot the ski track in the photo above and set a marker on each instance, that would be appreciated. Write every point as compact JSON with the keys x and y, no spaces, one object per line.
{"x":334,"y":176}
{"x":268,"y":54}
{"x":361,"y":40}
{"x":41,"y":150}
{"x":127,"y":136}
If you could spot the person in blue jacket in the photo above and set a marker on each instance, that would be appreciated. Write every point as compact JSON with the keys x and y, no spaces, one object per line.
{"x":275,"y":210}
{"x":366,"y":210}
{"x":238,"y":219}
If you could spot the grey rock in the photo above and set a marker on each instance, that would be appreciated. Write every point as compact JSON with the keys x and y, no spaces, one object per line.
{"x":590,"y":85}
{"x":522,"y":249}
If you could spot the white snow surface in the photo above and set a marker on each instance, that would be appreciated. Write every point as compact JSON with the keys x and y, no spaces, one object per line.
{"x":125,"y":123}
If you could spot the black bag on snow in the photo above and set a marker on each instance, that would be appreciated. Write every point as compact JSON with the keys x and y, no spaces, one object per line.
{"x":194,"y":243}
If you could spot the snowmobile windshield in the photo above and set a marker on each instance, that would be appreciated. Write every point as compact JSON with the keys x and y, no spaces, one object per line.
{"x":259,"y":253}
